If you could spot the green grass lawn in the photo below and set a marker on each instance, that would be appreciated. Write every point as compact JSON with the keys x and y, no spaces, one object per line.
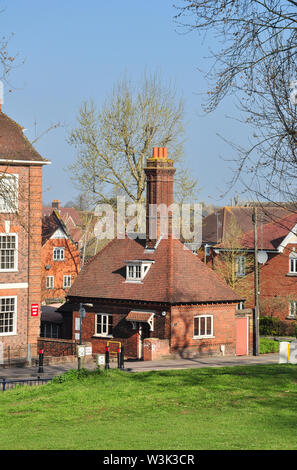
{"x":251,"y":407}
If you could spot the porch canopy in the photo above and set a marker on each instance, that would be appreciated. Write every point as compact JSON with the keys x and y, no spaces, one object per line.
{"x":135,"y":316}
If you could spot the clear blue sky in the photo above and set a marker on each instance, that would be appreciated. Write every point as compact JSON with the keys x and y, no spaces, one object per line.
{"x":76,"y":50}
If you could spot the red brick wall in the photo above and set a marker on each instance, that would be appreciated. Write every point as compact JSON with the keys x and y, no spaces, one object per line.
{"x":70,"y":266}
{"x":123,"y":331}
{"x":182,"y":330}
{"x":27,"y":224}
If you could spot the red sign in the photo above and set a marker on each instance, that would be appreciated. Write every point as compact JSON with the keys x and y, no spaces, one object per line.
{"x":34,"y":310}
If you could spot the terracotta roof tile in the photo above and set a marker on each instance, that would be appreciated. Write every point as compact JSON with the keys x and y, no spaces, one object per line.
{"x":14,"y":145}
{"x":176,"y":276}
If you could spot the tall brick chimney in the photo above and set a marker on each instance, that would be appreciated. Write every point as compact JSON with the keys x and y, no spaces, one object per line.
{"x":159,"y":175}
{"x":56,"y":204}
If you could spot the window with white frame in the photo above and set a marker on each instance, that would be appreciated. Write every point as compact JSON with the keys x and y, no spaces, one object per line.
{"x":8,"y":252}
{"x":293,"y":263}
{"x":50,"y":282}
{"x":103,"y":324}
{"x":137,"y":270}
{"x":8,"y":193}
{"x":67,"y":281}
{"x":293,"y":308}
{"x":8,"y":312}
{"x":58,"y":254}
{"x":203,"y":326}
{"x":240,"y":266}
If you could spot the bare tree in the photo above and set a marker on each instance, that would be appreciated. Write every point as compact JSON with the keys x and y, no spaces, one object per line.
{"x":114,"y":142}
{"x":255,"y":61}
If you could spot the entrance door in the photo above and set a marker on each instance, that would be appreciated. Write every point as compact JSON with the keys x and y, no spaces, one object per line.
{"x":242,"y":342}
{"x":143,"y":332}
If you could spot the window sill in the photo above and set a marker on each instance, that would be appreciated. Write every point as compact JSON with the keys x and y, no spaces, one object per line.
{"x":291,"y":317}
{"x":102,"y":336}
{"x":291,"y":274}
{"x":203,"y":337}
{"x":133,"y":281}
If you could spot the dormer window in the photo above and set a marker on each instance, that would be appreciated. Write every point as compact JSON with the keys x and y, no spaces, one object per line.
{"x":136,"y":270}
{"x":293,"y":263}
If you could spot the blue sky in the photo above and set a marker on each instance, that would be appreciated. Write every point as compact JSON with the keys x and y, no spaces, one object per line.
{"x":76,"y":50}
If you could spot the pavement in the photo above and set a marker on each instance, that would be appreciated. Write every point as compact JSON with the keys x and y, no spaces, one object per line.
{"x":49,"y":371}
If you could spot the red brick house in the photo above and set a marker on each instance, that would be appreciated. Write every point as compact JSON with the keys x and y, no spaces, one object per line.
{"x":153,"y":295}
{"x":20,"y":241}
{"x":71,"y":217}
{"x":277,"y":241}
{"x":60,"y":259}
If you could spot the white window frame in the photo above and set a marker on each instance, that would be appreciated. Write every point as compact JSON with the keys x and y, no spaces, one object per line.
{"x":9,"y":207}
{"x":104,"y":328}
{"x":50,"y":282}
{"x":293,"y":263}
{"x":15,"y":268}
{"x":14,"y":328}
{"x":67,"y":281}
{"x":137,"y":270}
{"x":293,"y":308}
{"x":240,"y":266}
{"x":199,"y":333}
{"x":55,"y":251}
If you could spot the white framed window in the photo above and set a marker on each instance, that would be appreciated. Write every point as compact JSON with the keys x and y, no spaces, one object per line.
{"x":9,"y":188}
{"x":240,"y":266}
{"x":8,"y":315}
{"x":58,"y":254}
{"x":50,"y":282}
{"x":8,"y":252}
{"x":293,"y":308}
{"x":137,"y":270}
{"x":293,"y":263}
{"x":67,"y":281}
{"x":103,"y":325}
{"x":203,"y":326}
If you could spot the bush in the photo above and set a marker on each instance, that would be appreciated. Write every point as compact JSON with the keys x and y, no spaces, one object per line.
{"x":273,"y":326}
{"x":268,"y":346}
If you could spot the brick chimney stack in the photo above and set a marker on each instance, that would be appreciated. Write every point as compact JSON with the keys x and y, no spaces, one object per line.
{"x":159,"y":175}
{"x":56,"y":204}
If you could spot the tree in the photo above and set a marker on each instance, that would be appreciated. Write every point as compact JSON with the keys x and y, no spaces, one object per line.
{"x":255,"y":62}
{"x":114,"y":142}
{"x":234,"y":261}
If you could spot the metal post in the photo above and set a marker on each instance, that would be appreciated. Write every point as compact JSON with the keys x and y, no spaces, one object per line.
{"x":107,"y":357}
{"x":40,"y":368}
{"x":122,"y":357}
{"x":119,"y":357}
{"x":256,"y":288}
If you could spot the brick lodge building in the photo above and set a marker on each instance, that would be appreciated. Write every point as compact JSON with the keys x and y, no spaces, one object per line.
{"x":152,"y":295}
{"x":20,"y":242}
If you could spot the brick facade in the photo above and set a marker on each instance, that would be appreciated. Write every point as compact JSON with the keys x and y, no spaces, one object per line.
{"x":23,"y":283}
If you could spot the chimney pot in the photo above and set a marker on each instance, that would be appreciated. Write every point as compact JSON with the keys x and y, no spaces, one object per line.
{"x":155,"y":152}
{"x":161,"y":152}
{"x":56,"y":204}
{"x":165,"y":152}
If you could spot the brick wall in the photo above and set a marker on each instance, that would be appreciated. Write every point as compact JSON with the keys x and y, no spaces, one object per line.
{"x":27,"y":225}
{"x":182,"y":330}
{"x":70,"y":266}
{"x":123,"y":331}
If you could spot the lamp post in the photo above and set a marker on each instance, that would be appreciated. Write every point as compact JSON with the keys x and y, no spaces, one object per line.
{"x":82,"y":314}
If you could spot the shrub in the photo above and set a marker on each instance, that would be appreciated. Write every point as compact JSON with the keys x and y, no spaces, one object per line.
{"x":268,"y":346}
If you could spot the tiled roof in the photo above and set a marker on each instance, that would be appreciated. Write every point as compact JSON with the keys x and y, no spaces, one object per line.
{"x":138,"y":316}
{"x":176,"y":276}
{"x":14,"y":145}
{"x":270,"y":235}
{"x":215,"y":226}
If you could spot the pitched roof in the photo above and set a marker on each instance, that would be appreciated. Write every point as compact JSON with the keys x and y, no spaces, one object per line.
{"x":71,"y":218}
{"x":271,"y":235}
{"x":50,"y":224}
{"x":215,"y":226}
{"x":14,"y":145}
{"x":176,"y":276}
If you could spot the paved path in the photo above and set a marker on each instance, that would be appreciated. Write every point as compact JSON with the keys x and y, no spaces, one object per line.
{"x":15,"y":373}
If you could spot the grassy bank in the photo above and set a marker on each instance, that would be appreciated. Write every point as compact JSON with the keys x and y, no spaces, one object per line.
{"x":252,"y":407}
